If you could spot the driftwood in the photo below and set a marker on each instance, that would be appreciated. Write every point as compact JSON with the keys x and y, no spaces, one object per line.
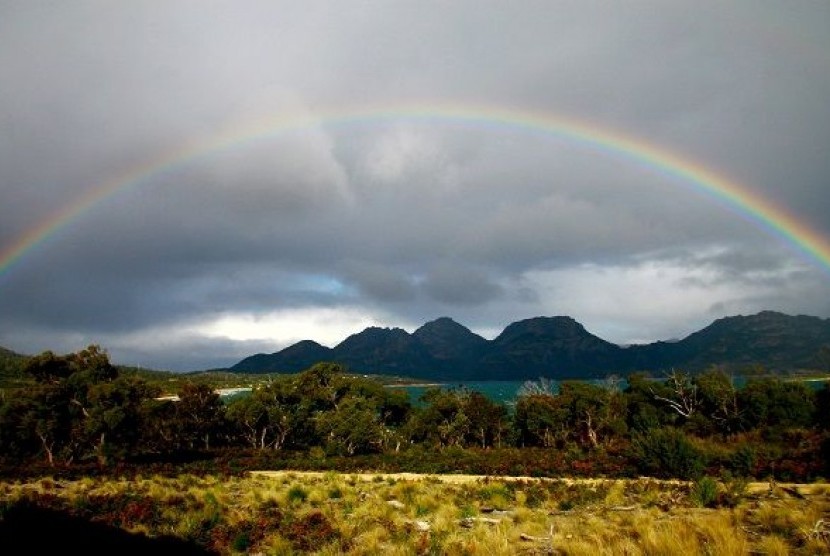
{"x":495,"y":511}
{"x":419,"y":525}
{"x":531,"y":538}
{"x":469,"y":522}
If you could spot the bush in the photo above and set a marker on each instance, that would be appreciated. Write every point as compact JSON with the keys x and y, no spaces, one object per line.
{"x":744,"y":460}
{"x":667,"y":453}
{"x":704,"y":493}
{"x":297,"y":494}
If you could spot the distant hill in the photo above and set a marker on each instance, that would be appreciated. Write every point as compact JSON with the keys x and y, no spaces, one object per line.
{"x":454,"y":349}
{"x":560,"y":347}
{"x":11,"y":366}
{"x":292,"y":359}
{"x":551,"y":346}
{"x":771,"y":339}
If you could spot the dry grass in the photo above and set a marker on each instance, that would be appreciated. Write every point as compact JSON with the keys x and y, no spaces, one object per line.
{"x":328,"y":513}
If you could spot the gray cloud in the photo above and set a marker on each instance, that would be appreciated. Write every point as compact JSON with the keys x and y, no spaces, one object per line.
{"x":454,"y":284}
{"x":395,"y":220}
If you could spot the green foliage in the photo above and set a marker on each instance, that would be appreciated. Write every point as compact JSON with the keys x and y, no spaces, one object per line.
{"x":593,"y":412}
{"x":775,"y":403}
{"x":12,"y":366}
{"x":352,"y":427}
{"x":540,"y":420}
{"x":735,"y":489}
{"x":667,"y":453}
{"x":823,"y":405}
{"x":79,"y":409}
{"x":719,"y":410}
{"x":743,"y":460}
{"x":704,"y":492}
{"x":198,"y":416}
{"x":48,"y":367}
{"x":644,"y":412}
{"x":112,"y":416}
{"x":297,"y":494}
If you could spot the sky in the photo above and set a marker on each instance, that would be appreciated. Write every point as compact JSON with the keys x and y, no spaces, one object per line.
{"x":187,"y":183}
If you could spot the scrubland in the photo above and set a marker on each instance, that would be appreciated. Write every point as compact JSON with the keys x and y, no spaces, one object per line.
{"x":332,"y":513}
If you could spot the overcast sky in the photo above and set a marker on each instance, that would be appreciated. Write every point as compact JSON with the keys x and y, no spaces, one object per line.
{"x":322,"y":230}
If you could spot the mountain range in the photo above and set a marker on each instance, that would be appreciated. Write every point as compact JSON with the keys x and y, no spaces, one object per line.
{"x":560,"y":347}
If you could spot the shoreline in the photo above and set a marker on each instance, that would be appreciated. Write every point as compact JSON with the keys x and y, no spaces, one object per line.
{"x":416,"y":385}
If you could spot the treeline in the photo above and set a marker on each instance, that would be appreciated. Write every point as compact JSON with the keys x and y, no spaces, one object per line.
{"x":80,"y":409}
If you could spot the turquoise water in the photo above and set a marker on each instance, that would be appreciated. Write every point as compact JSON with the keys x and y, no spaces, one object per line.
{"x":501,"y":391}
{"x":506,"y":391}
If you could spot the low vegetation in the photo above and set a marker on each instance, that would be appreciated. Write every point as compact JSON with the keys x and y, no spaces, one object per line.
{"x":332,"y":513}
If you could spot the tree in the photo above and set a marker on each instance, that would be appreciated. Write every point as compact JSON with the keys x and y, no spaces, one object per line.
{"x":250,"y":419}
{"x":488,"y":421}
{"x":442,"y":422}
{"x":113,"y":416}
{"x":395,"y":407}
{"x":679,"y":393}
{"x":80,"y":407}
{"x":353,"y":427}
{"x":280,"y":412}
{"x":92,"y":365}
{"x":318,"y":389}
{"x":643,"y":411}
{"x":592,"y":411}
{"x":774,"y":403}
{"x":37,"y":421}
{"x":199,"y":414}
{"x":823,"y":407}
{"x":540,"y":420}
{"x":158,"y":430}
{"x":322,"y":386}
{"x":719,"y":409}
{"x":48,"y":368}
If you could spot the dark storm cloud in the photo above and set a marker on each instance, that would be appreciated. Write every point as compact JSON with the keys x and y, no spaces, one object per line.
{"x":456,"y":285}
{"x":393,"y":221}
{"x":379,"y":282}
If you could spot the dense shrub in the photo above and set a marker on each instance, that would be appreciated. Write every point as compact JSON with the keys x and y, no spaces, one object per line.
{"x":744,"y":460}
{"x":704,"y":493}
{"x":668,"y":453}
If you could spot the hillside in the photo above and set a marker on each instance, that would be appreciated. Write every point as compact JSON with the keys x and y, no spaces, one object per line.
{"x":560,"y":347}
{"x":551,"y":346}
{"x":11,"y":367}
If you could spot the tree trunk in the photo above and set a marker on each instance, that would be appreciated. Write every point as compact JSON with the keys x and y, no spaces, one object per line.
{"x":47,"y":448}
{"x":102,"y":456}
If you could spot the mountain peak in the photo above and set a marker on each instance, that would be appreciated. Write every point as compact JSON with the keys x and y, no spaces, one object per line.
{"x":451,"y":345}
{"x":559,"y":347}
{"x":441,"y":324}
{"x":560,"y":327}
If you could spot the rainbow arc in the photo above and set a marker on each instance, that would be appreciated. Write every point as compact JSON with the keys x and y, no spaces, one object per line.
{"x":775,"y":220}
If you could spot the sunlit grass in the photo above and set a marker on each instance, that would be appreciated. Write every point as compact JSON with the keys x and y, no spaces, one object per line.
{"x":350,"y":514}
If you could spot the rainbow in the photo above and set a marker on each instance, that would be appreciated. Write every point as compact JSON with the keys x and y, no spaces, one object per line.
{"x":775,"y":220}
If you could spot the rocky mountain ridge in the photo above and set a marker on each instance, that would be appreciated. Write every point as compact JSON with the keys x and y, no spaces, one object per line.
{"x":560,"y":347}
